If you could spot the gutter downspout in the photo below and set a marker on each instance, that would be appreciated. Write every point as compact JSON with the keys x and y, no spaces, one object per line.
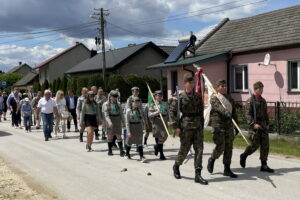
{"x":229,"y":72}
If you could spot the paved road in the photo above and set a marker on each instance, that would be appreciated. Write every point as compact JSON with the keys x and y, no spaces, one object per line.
{"x":63,"y":166}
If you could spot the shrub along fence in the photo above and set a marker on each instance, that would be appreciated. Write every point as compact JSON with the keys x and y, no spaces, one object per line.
{"x":284,"y":117}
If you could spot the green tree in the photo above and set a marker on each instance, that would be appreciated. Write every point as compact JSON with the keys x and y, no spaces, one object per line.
{"x":58,"y":84}
{"x":54,"y":85}
{"x":96,"y":80}
{"x":81,"y":82}
{"x":46,"y":84}
{"x":10,"y":78}
{"x":64,"y":83}
{"x":36,"y":87}
{"x":135,"y":80}
{"x":117,"y":81}
{"x":72,"y":85}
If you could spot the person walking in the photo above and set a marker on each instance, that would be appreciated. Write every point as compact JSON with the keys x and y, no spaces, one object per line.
{"x":34,"y":104}
{"x":26,"y":112}
{"x":80,"y":102}
{"x":101,"y":99}
{"x":13,"y":103}
{"x":71,"y":101}
{"x":63,"y":113}
{"x":4,"y":94}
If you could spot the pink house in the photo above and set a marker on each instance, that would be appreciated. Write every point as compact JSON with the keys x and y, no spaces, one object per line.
{"x":235,"y":50}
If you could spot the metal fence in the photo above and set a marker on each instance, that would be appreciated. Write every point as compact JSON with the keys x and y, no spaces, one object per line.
{"x":284,"y":117}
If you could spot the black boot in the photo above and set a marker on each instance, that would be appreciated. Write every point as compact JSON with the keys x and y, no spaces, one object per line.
{"x":145,"y":140}
{"x":228,"y":172}
{"x":128,"y":152}
{"x":161,"y":151}
{"x":176,"y":171}
{"x":198,"y":177}
{"x":96,"y":134}
{"x":120,"y":144}
{"x":103,"y":136}
{"x":110,"y":153}
{"x":141,"y":152}
{"x":114,"y":142}
{"x":265,"y":168}
{"x":243,"y":158}
{"x":156,"y":147}
{"x":81,"y":137}
{"x":210,"y":165}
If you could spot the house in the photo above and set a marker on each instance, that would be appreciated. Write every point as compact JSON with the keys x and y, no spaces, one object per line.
{"x":235,"y":51}
{"x":22,"y":68}
{"x":27,"y":81}
{"x":132,"y":59}
{"x":57,"y":65}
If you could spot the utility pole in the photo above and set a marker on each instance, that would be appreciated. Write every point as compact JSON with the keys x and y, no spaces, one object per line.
{"x":100,"y":18}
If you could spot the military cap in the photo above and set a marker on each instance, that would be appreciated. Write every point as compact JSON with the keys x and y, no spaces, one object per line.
{"x":257,"y":85}
{"x":221,"y":82}
{"x":135,"y":89}
{"x":188,"y":77}
{"x":158,"y":93}
{"x":133,"y":99}
{"x":114,"y":93}
{"x":91,"y":93}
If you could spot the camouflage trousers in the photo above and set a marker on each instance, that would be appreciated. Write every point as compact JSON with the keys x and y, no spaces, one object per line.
{"x":187,"y":139}
{"x":223,"y":138}
{"x":259,"y":138}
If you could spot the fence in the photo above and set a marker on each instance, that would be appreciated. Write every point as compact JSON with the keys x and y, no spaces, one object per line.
{"x":284,"y":117}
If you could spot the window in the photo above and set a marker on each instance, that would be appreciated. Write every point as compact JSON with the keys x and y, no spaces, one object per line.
{"x":294,"y":76}
{"x":174,"y":81}
{"x":240,"y":78}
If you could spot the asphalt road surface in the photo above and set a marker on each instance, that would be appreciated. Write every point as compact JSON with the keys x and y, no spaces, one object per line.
{"x":63,"y":166}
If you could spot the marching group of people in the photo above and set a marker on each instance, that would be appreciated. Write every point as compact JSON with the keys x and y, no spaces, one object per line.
{"x":124,"y":126}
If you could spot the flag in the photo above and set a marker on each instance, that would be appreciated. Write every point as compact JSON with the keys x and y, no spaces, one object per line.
{"x":150,"y":100}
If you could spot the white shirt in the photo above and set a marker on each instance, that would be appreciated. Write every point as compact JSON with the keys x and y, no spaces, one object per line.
{"x":46,"y":106}
{"x":61,"y":105}
{"x":72,"y":105}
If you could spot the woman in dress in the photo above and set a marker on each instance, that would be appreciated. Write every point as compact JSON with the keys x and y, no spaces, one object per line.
{"x":63,"y":113}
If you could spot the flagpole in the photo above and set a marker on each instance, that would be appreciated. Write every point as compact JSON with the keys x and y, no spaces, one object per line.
{"x":162,"y":119}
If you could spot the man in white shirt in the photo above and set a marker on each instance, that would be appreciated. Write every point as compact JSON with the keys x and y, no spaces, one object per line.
{"x":47,"y":107}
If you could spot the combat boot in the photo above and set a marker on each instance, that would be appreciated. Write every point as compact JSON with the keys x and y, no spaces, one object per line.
{"x":210,"y":165}
{"x":228,"y":172}
{"x":96,"y":134}
{"x":155,"y":150}
{"x":199,"y":178}
{"x":176,"y":171}
{"x":81,"y":137}
{"x":265,"y":168}
{"x":243,"y":158}
{"x":128,"y":156}
{"x":110,"y":153}
{"x":161,"y":151}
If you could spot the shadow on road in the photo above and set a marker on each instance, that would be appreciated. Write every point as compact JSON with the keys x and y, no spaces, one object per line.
{"x":2,"y":134}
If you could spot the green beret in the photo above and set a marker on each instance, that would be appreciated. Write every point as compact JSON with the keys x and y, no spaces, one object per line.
{"x":221,"y":82}
{"x":188,"y":77}
{"x":134,"y":99}
{"x":158,"y":92}
{"x":114,"y":93}
{"x":257,"y":85}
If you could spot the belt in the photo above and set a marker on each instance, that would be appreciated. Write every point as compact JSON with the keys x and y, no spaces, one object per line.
{"x":114,"y":115}
{"x":135,"y":122}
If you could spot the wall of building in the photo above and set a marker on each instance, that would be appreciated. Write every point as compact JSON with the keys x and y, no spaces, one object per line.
{"x":60,"y":65}
{"x":23,"y":70}
{"x":44,"y":73}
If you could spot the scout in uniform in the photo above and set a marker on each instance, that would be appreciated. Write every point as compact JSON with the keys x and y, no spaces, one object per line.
{"x":80,"y":102}
{"x":113,"y":118}
{"x":134,"y":125}
{"x":258,"y":121}
{"x":101,"y":99}
{"x":158,"y":129}
{"x":189,"y":127}
{"x":223,"y":130}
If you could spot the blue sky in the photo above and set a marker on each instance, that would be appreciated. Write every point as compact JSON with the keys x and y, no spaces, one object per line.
{"x":27,"y":27}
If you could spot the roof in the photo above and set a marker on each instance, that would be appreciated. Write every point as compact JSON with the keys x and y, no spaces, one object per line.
{"x":16,"y":68}
{"x":60,"y":54}
{"x":188,"y":61}
{"x":264,"y":31}
{"x":167,"y":49}
{"x":30,"y":76}
{"x":114,"y":58}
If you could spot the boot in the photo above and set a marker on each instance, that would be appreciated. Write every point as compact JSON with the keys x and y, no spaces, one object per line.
{"x":210,"y":165}
{"x":128,"y":152}
{"x":161,"y":151}
{"x":198,"y":177}
{"x":96,"y":134}
{"x":81,"y":137}
{"x":145,"y":140}
{"x":114,"y":141}
{"x":141,"y":152}
{"x":176,"y":171}
{"x":156,"y":147}
{"x":243,"y":158}
{"x":110,"y":153}
{"x":120,"y":144}
{"x":265,"y":168}
{"x":228,"y":172}
{"x":103,"y":136}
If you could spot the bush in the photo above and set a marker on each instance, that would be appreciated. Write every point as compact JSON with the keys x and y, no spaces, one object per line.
{"x":289,"y":121}
{"x":64,"y":83}
{"x":135,"y":80}
{"x":46,"y":84}
{"x":81,"y":82}
{"x":72,"y":85}
{"x":54,"y":85}
{"x":10,"y":78}
{"x":58,"y":85}
{"x":117,"y":81}
{"x":95,"y":80}
{"x":36,"y":87}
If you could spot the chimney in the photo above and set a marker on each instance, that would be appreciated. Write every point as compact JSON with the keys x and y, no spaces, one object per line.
{"x":77,"y":43}
{"x":20,"y":63}
{"x":93,"y":53}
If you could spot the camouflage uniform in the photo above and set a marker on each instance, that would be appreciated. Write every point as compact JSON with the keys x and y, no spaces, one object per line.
{"x":191,"y":124}
{"x":223,"y":130}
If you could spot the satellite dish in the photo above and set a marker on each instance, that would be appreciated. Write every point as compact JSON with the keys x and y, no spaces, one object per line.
{"x":267,"y":59}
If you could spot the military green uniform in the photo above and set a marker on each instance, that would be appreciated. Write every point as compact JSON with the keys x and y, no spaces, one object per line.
{"x":223,"y":130}
{"x":259,"y":137}
{"x":191,"y":124}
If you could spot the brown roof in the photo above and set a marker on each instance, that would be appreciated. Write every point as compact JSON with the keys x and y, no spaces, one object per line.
{"x":265,"y":31}
{"x":58,"y":55}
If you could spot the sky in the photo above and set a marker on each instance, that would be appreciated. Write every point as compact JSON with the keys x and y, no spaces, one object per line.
{"x":32,"y":31}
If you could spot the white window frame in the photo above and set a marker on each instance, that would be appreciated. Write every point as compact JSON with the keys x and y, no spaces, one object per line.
{"x":290,"y":75}
{"x":243,"y":79}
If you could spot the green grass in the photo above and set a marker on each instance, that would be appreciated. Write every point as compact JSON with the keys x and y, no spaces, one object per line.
{"x":277,"y":146}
